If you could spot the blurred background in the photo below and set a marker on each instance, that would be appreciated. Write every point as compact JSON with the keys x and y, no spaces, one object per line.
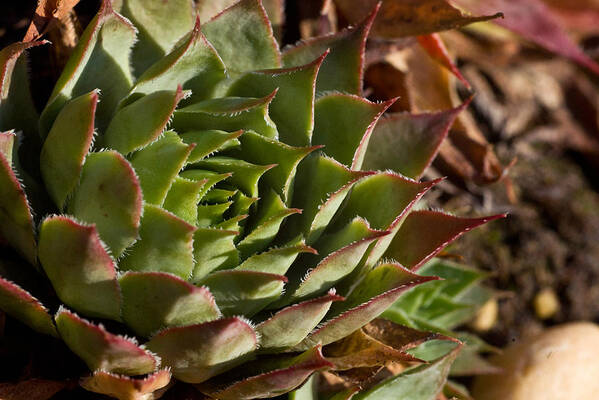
{"x":528,"y":144}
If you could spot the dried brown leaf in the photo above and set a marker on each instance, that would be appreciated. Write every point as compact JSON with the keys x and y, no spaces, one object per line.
{"x":401,"y":18}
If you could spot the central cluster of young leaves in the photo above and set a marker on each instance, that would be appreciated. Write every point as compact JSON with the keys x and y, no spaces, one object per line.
{"x":257,"y":203}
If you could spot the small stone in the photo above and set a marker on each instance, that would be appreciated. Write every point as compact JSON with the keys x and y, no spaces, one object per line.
{"x":560,"y":363}
{"x":486,"y":317}
{"x":546,"y":303}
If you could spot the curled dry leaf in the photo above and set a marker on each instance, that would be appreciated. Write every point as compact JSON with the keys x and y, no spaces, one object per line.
{"x":400,"y":18}
{"x":535,"y":21}
{"x":47,"y":11}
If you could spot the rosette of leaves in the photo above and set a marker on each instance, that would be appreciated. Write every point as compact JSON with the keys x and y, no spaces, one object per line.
{"x":231,"y":207}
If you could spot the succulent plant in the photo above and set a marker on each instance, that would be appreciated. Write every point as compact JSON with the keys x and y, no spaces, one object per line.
{"x":233,"y":207}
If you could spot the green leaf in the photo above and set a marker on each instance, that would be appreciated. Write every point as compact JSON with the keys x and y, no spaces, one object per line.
{"x":211,"y":214}
{"x":155,"y":300}
{"x":209,"y":142}
{"x":193,"y":63}
{"x":67,"y":145}
{"x":102,"y":350}
{"x":79,"y":268}
{"x":383,"y":295}
{"x":261,"y":150}
{"x":161,"y":24}
{"x":265,"y":225}
{"x":293,"y":107}
{"x":140,"y":123}
{"x":408,"y":143}
{"x":420,"y":383}
{"x":100,"y":60}
{"x":343,"y":68}
{"x":276,"y":260}
{"x":182,"y":199}
{"x":243,"y":37}
{"x":245,"y":175}
{"x":339,"y":263}
{"x":156,"y":182}
{"x":165,"y":244}
{"x":292,"y":324}
{"x":213,"y":249}
{"x":20,"y":304}
{"x":394,"y":197}
{"x":228,"y":114}
{"x":16,"y":221}
{"x":17,"y":110}
{"x":196,"y":353}
{"x":322,"y":184}
{"x":109,"y":196}
{"x":242,"y":292}
{"x":344,"y":124}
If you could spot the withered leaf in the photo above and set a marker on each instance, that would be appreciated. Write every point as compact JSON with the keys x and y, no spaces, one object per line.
{"x":46,"y":12}
{"x":401,"y":18}
{"x":360,"y":350}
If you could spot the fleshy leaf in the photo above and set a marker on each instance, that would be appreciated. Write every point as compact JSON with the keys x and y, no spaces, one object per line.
{"x":325,"y":183}
{"x":372,"y":297}
{"x":193,"y":64}
{"x":241,"y":292}
{"x":126,"y":388}
{"x":420,"y":383}
{"x":100,"y":60}
{"x":155,"y":300}
{"x":245,"y":175}
{"x":340,"y":262}
{"x":17,"y":109}
{"x":261,"y":150}
{"x":408,"y":143}
{"x":228,"y":114}
{"x":292,"y":324}
{"x":276,"y":260}
{"x":400,"y":18}
{"x":209,"y":142}
{"x":161,"y":24}
{"x":265,"y":225}
{"x":20,"y":304}
{"x":102,"y":350}
{"x":293,"y":107}
{"x":395,"y":196}
{"x":109,"y":196}
{"x":165,"y":244}
{"x":67,"y":145}
{"x":155,"y":182}
{"x":196,"y":353}
{"x":243,"y":37}
{"x":344,"y":124}
{"x":183,"y":198}
{"x":284,"y":378}
{"x":16,"y":221}
{"x":343,"y":69}
{"x":79,"y":268}
{"x":213,"y":249}
{"x":140,"y":123}
{"x":425,"y":233}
